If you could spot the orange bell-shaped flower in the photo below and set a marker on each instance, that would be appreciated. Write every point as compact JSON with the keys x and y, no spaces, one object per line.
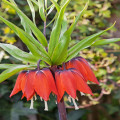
{"x":27,"y":85}
{"x":83,"y":67}
{"x":35,"y":81}
{"x":44,"y":83}
{"x":70,"y":81}
{"x":18,"y":84}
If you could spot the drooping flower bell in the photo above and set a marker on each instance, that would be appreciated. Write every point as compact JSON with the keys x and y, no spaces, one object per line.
{"x":83,"y":67}
{"x":19,"y":83}
{"x":34,"y":82}
{"x":44,"y":83}
{"x":70,"y":80}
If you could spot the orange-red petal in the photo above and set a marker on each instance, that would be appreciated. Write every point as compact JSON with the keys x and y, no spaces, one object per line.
{"x":81,"y":84}
{"x":83,"y":67}
{"x":29,"y":85}
{"x":70,"y":81}
{"x":17,"y":86}
{"x":50,"y":80}
{"x":60,"y":86}
{"x":65,"y":83}
{"x":41,"y":85}
{"x":91,"y":75}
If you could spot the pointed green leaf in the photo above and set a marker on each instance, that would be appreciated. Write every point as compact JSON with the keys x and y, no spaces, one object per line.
{"x":61,"y":49}
{"x":56,"y":5}
{"x":64,"y":26}
{"x":51,"y":8}
{"x":58,"y":55}
{"x":19,"y":54}
{"x":7,"y":66}
{"x":34,"y":46}
{"x":35,"y":2}
{"x":11,"y":71}
{"x":46,"y":4}
{"x":62,"y":2}
{"x":31,"y":66}
{"x":30,"y":45}
{"x":32,"y":10}
{"x":51,"y":21}
{"x":41,"y":9}
{"x":72,"y":52}
{"x":78,"y":17}
{"x":35,"y":30}
{"x":54,"y":37}
{"x":105,"y":41}
{"x":23,"y":21}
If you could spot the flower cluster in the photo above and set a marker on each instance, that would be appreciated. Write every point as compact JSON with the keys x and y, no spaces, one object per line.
{"x":69,"y":78}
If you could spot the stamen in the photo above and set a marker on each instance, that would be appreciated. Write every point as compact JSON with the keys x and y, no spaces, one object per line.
{"x":41,"y":99}
{"x":35,"y":97}
{"x":31,"y":105}
{"x":76,"y":107}
{"x":76,"y":98}
{"x":46,"y":106}
{"x":69,"y":99}
{"x":56,"y":102}
{"x":82,"y":94}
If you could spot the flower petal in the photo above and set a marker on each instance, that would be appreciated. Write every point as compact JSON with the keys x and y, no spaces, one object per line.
{"x":69,"y":83}
{"x":83,"y":67}
{"x":60,"y":86}
{"x":91,"y":76}
{"x":81,"y":84}
{"x":29,"y":85}
{"x":17,"y":86}
{"x":41,"y":85}
{"x":65,"y":83}
{"x":80,"y":67}
{"x":50,"y":80}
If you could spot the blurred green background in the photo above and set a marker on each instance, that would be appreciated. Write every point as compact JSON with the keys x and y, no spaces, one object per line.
{"x":104,"y":60}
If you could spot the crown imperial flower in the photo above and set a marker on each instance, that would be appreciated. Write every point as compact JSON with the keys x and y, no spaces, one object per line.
{"x":83,"y":67}
{"x":71,"y":77}
{"x":70,"y":81}
{"x":19,"y":83}
{"x":34,"y":82}
{"x":44,"y":83}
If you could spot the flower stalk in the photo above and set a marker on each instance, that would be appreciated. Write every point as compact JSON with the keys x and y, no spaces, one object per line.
{"x":62,"y":110}
{"x":61,"y":106}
